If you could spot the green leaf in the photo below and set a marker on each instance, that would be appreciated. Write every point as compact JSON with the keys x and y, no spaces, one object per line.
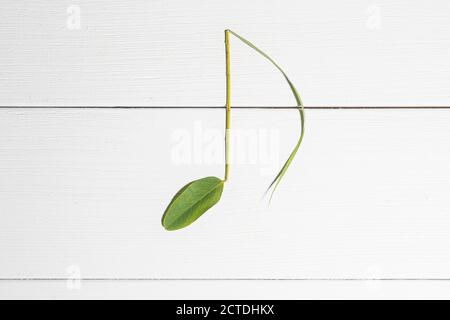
{"x":193,"y":200}
{"x":279,"y":176}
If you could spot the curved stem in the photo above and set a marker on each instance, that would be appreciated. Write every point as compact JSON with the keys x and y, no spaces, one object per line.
{"x":228,"y":106}
{"x":273,"y":186}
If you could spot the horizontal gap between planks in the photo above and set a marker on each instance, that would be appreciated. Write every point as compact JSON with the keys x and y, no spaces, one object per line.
{"x":233,"y":107}
{"x":226,"y":279}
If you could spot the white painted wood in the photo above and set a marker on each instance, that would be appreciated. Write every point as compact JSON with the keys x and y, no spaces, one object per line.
{"x":226,"y":290}
{"x":167,"y":53}
{"x":82,"y":193}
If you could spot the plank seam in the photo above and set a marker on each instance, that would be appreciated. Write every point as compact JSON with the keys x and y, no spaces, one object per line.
{"x":235,"y":107}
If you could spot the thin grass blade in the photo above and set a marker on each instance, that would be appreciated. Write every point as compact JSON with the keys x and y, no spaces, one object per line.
{"x":276,"y":181}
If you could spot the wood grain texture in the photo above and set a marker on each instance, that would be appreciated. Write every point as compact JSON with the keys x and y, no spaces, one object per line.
{"x":366,"y":198}
{"x":164,"y":53}
{"x":82,"y":191}
{"x":207,"y":290}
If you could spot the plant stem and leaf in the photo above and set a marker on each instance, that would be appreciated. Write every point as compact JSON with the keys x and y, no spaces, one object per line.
{"x":195,"y":198}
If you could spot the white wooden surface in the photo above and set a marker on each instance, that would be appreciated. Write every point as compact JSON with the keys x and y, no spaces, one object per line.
{"x":159,"y":52}
{"x":226,"y":290}
{"x":82,"y":191}
{"x":368,"y":193}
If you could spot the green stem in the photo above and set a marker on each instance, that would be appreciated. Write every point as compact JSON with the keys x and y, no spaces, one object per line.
{"x":228,"y":106}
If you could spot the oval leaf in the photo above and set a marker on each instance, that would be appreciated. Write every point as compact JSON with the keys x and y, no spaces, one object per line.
{"x":193,"y":200}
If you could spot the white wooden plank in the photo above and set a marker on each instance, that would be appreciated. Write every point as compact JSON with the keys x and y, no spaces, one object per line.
{"x":157,"y":52}
{"x":225,"y":290}
{"x":84,"y":190}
